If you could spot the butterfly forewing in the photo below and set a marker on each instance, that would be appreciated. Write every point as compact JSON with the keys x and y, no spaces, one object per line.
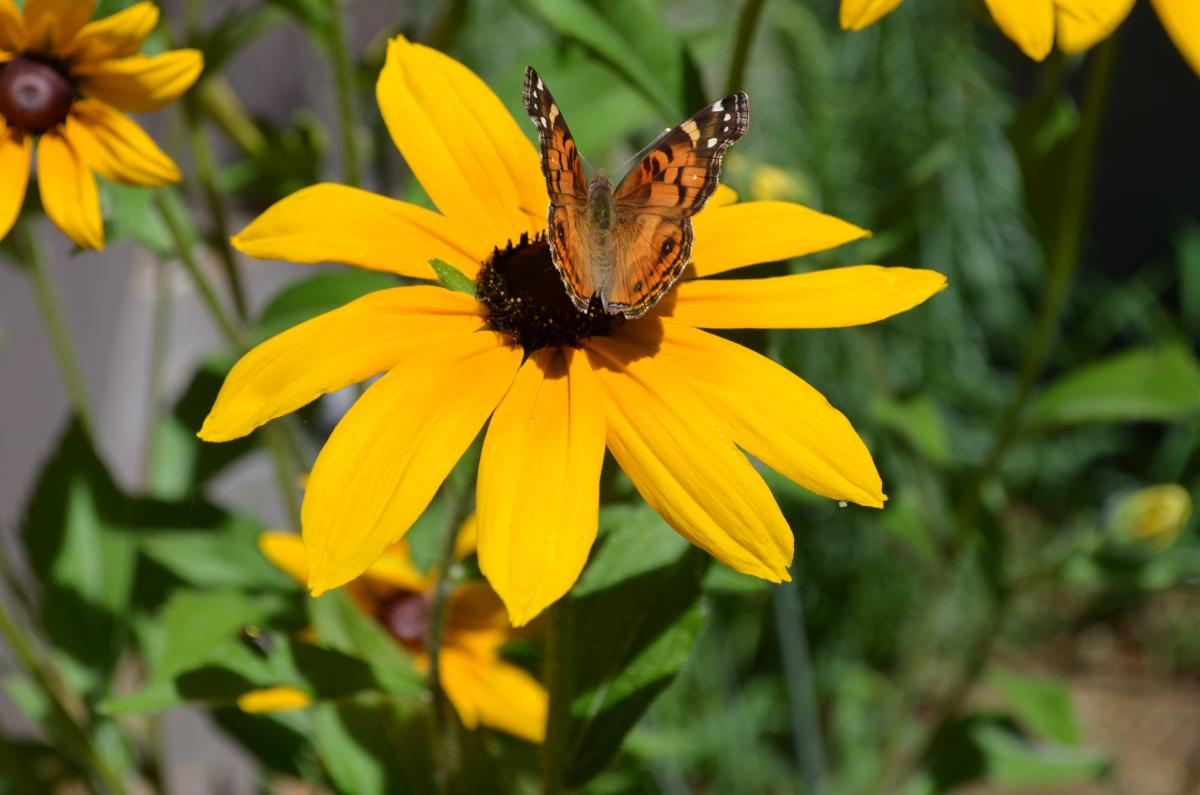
{"x":565,"y":180}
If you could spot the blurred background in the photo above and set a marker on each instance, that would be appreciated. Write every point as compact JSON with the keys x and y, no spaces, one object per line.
{"x":1024,"y":616}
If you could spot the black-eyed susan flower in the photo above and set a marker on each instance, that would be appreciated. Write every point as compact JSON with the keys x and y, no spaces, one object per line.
{"x":675,"y":405}
{"x":1076,"y":24}
{"x":66,"y":83}
{"x":482,"y":686}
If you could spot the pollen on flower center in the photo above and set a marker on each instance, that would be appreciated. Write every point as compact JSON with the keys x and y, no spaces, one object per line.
{"x":406,"y":617}
{"x":35,"y":95}
{"x":525,"y":298}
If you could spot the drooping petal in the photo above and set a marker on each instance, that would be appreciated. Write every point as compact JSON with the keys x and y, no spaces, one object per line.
{"x":461,"y":143}
{"x":832,"y":298}
{"x":773,"y":414}
{"x":539,"y":482}
{"x":681,"y":461}
{"x":117,"y":147}
{"x":12,"y":27}
{"x":68,"y":191}
{"x":286,"y":553}
{"x":1083,"y":23}
{"x":281,"y":698}
{"x":490,"y":691}
{"x":116,"y":36}
{"x":51,"y":24}
{"x":1181,"y":18}
{"x":16,"y":148}
{"x":858,"y":14}
{"x":140,"y":83}
{"x":390,"y":453}
{"x":1029,"y":23}
{"x":336,"y":223}
{"x":350,"y":344}
{"x":738,"y":235}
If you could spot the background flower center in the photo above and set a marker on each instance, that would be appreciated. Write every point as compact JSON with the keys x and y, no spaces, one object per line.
{"x":34,"y":95}
{"x":406,"y":616}
{"x":525,"y":297}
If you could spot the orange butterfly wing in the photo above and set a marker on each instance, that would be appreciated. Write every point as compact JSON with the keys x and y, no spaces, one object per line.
{"x":657,"y":198}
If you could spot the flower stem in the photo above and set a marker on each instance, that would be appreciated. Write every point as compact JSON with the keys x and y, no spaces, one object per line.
{"x":159,"y":336}
{"x":798,"y":677}
{"x":56,"y":326}
{"x":343,"y":75}
{"x":746,"y":29}
{"x":38,"y":670}
{"x":557,"y":676}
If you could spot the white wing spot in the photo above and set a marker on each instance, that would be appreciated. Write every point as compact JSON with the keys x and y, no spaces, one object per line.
{"x":712,"y":142}
{"x":539,"y":84}
{"x":717,"y":106}
{"x":727,"y":117}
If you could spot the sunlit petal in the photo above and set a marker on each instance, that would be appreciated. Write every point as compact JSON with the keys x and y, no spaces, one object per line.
{"x":1030,"y":23}
{"x":670,"y":445}
{"x":51,"y":24}
{"x":1181,"y":18}
{"x":12,"y":27}
{"x":333,"y":350}
{"x":336,"y":223}
{"x":1083,"y":23}
{"x":390,"y":453}
{"x":116,"y":36}
{"x":116,"y":147}
{"x":282,"y":698}
{"x":286,"y":553}
{"x":831,"y":298}
{"x":490,"y":691}
{"x":68,"y":191}
{"x":858,"y":14}
{"x":539,"y":482}
{"x":738,"y":235}
{"x":140,"y":83}
{"x":773,"y":414}
{"x":16,"y":149}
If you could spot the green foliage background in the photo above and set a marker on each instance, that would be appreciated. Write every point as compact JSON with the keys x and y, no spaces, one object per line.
{"x":918,"y":649}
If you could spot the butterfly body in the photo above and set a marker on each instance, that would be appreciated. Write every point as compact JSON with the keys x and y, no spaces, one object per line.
{"x":625,"y":246}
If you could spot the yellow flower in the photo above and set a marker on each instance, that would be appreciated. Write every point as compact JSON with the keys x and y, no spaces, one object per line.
{"x":1078,"y":24}
{"x":1155,"y":514}
{"x":66,"y":82}
{"x":675,"y":405}
{"x":482,"y":687}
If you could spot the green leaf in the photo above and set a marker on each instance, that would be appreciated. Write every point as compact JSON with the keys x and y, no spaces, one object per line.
{"x":341,"y":624}
{"x":194,"y":622}
{"x":73,"y":531}
{"x":361,"y":747}
{"x":1145,"y":384}
{"x":452,"y":278}
{"x":1013,"y":762}
{"x":224,"y":557}
{"x":620,"y":639}
{"x":325,"y":291}
{"x":1043,"y":706}
{"x":918,"y":422}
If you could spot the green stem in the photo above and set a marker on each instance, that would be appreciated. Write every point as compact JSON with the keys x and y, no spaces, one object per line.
{"x":56,"y":326}
{"x":286,"y":477}
{"x":558,"y":683}
{"x":183,"y":249}
{"x":343,"y":75}
{"x":746,"y":29}
{"x":801,"y":696}
{"x":159,"y":334}
{"x":38,"y":671}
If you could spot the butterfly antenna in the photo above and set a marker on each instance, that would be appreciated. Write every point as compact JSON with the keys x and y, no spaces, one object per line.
{"x":638,"y":155}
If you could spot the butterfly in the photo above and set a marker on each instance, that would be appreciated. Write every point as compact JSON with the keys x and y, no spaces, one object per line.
{"x":626,"y":246}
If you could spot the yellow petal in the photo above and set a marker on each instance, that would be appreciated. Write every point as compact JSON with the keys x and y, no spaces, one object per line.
{"x":490,"y":691}
{"x":335,"y":223}
{"x":286,"y":552}
{"x":1029,"y":23}
{"x":1083,"y":23}
{"x":69,"y":191}
{"x":468,"y":537}
{"x":395,"y":567}
{"x":390,"y":453}
{"x":141,"y":83}
{"x":722,"y":196}
{"x":12,"y":28}
{"x":744,"y":234}
{"x":671,"y":446}
{"x":774,"y":415}
{"x":273,"y":699}
{"x":1181,"y":18}
{"x":539,"y":482}
{"x":16,"y":149}
{"x":116,"y":147}
{"x":858,"y":14}
{"x":51,"y":24}
{"x":461,"y":143}
{"x":116,"y":36}
{"x":332,"y":351}
{"x":476,"y":619}
{"x":832,"y":298}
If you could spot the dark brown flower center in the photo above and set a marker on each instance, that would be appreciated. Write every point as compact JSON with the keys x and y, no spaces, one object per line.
{"x":406,"y":617}
{"x":35,"y":95}
{"x":525,"y":298}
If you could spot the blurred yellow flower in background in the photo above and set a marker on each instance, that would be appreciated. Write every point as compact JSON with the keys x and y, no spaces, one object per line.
{"x":66,"y":83}
{"x":482,"y":686}
{"x":1076,"y":24}
{"x":1155,"y":514}
{"x":675,"y":405}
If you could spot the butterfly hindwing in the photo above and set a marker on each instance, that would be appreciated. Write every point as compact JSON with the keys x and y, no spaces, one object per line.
{"x":683,"y":167}
{"x":652,"y":251}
